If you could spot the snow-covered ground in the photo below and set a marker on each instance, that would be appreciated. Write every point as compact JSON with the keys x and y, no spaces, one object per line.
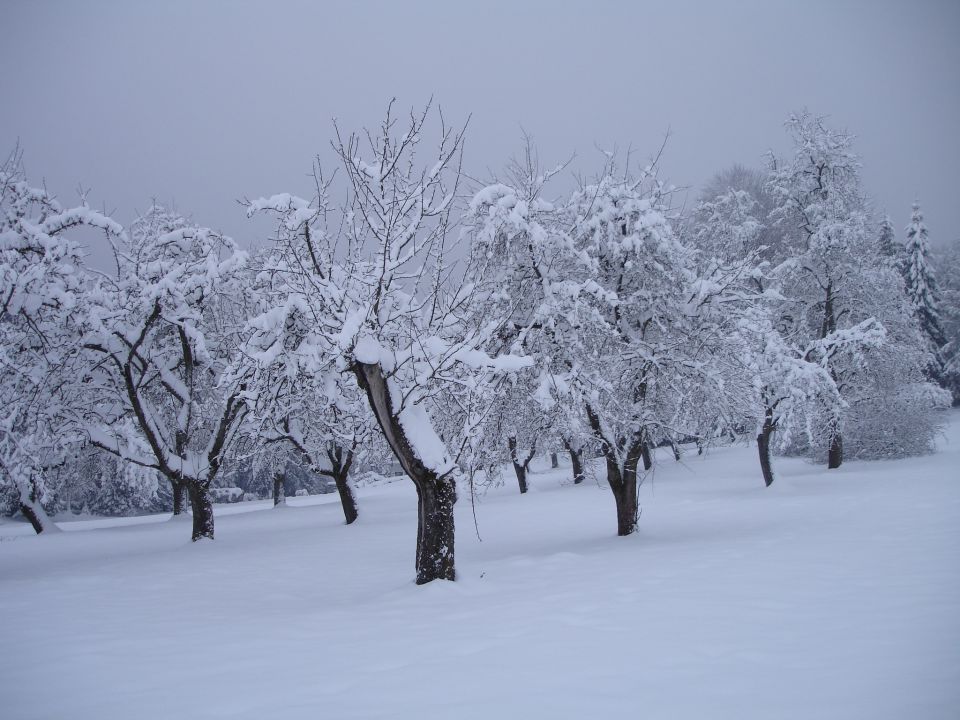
{"x":830,"y":595}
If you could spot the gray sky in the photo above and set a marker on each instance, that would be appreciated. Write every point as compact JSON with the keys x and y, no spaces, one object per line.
{"x":201,"y":103}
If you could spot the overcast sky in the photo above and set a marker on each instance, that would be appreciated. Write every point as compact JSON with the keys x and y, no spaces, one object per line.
{"x":201,"y":103}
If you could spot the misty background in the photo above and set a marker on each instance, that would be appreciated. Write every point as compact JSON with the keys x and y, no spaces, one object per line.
{"x":199,"y":104}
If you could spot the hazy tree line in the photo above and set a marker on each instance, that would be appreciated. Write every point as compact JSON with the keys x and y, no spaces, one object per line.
{"x":408,"y":314}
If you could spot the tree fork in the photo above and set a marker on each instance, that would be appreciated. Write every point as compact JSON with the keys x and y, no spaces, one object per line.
{"x":623,"y":483}
{"x":520,"y":466}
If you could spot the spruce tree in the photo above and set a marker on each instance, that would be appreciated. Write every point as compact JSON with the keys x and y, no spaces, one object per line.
{"x":921,"y":287}
{"x":887,"y":245}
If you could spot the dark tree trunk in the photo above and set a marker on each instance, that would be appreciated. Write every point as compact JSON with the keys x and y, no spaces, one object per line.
{"x":179,"y":495}
{"x":676,"y":450}
{"x":520,"y":465}
{"x":554,"y":460}
{"x":763,"y":447}
{"x":279,"y":494}
{"x":645,"y":453}
{"x":436,"y":495}
{"x":835,"y":453}
{"x":33,"y":517}
{"x":576,"y":463}
{"x":435,"y":531}
{"x":33,"y":511}
{"x":622,"y":481}
{"x":347,"y":500}
{"x":625,"y":495}
{"x":340,"y":461}
{"x":202,"y":510}
{"x":521,"y":472}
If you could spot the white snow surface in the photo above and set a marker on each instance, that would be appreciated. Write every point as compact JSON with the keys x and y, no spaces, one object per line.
{"x":832,"y":594}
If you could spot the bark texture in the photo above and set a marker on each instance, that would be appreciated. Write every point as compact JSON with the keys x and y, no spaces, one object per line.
{"x":202,"y":508}
{"x":436,"y":494}
{"x":179,"y":495}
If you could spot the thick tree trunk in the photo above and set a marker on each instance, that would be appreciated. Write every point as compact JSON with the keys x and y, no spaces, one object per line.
{"x":521,"y":472}
{"x":676,"y":450}
{"x":202,"y":511}
{"x":576,"y":464}
{"x":622,"y":480}
{"x":435,"y":531}
{"x":625,"y":495}
{"x":279,"y":496}
{"x":179,"y":495}
{"x":554,"y":460}
{"x":835,"y":453}
{"x":347,"y":500}
{"x":436,"y":495}
{"x":31,"y":514}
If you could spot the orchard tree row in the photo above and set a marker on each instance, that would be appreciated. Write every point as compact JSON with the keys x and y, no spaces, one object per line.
{"x":406,"y":313}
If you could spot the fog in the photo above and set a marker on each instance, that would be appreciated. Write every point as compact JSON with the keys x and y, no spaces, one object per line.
{"x":200,"y":104}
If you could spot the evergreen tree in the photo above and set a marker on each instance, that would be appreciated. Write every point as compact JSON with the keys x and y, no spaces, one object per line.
{"x":887,"y":246}
{"x":921,"y":288}
{"x":947,"y":265}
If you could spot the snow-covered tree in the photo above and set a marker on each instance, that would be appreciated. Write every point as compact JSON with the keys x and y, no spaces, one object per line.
{"x":640,"y":358}
{"x":887,"y":245}
{"x":787,"y":384}
{"x":320,"y":418}
{"x":737,"y":201}
{"x":921,"y":288}
{"x":159,"y":337}
{"x":42,"y":293}
{"x":378,"y":302}
{"x":727,"y":226}
{"x":96,"y":482}
{"x":528,"y":273}
{"x":787,"y":368}
{"x":820,"y":202}
{"x":947,"y":264}
{"x":843,"y":302}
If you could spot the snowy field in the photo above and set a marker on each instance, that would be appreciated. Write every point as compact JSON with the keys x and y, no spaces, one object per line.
{"x":830,"y":595}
